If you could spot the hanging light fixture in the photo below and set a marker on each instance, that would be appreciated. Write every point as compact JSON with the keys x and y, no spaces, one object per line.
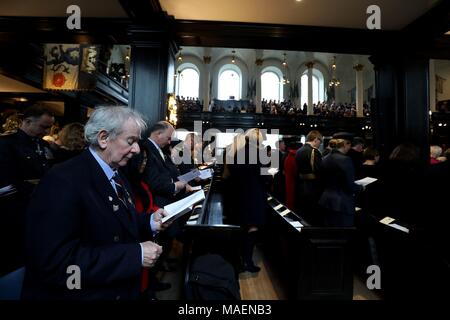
{"x":180,"y":57}
{"x":127,"y":55}
{"x":334,"y":82}
{"x":233,"y":57}
{"x":285,"y":78}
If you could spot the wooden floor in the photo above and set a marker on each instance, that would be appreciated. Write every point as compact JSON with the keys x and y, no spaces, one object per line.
{"x":262,"y":285}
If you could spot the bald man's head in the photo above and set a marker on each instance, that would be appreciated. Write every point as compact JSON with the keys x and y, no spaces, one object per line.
{"x":161,"y":132}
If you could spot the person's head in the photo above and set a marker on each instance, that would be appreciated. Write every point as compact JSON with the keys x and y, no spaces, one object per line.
{"x":37,"y":121}
{"x":406,"y":153}
{"x":12,"y":123}
{"x":161,"y":132}
{"x":189,"y":141}
{"x":314,"y":138}
{"x":435,"y":151}
{"x":254,"y":136}
{"x":447,"y":153}
{"x":114,"y":133}
{"x":371,"y":154}
{"x":358,"y":144}
{"x":281,"y":145}
{"x":343,"y":145}
{"x":347,"y":138}
{"x":332,"y":144}
{"x":72,"y":136}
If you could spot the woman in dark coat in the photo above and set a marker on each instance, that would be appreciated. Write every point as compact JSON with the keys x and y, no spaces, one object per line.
{"x":338,"y":196}
{"x":248,"y":190}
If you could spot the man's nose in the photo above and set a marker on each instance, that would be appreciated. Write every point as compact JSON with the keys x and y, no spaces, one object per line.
{"x":135,"y":148}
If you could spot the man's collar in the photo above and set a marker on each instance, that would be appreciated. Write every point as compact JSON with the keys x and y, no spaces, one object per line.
{"x":109,"y":172}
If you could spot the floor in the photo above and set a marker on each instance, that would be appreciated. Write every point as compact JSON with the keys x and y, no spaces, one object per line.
{"x":254,"y":286}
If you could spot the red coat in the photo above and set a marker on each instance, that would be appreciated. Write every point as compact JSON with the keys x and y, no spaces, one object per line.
{"x":150,"y":208}
{"x":290,"y":173}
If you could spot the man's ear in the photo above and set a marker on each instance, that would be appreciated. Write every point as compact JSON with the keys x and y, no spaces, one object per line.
{"x":102,"y":139}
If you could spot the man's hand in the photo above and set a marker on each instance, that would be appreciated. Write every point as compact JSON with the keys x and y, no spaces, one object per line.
{"x":179,"y":185}
{"x":151,"y":253}
{"x":156,"y":217}
{"x":188,"y":188}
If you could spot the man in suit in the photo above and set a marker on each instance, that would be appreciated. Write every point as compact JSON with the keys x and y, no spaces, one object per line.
{"x":24,"y":159}
{"x":160,"y":173}
{"x":84,"y":239}
{"x":309,"y":188}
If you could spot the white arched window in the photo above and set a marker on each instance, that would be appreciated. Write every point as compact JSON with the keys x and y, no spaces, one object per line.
{"x":271,"y":85}
{"x":318,"y":87}
{"x":229,"y":83}
{"x":188,"y":81}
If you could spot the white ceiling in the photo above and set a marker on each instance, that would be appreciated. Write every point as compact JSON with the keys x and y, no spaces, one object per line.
{"x":395,"y":14}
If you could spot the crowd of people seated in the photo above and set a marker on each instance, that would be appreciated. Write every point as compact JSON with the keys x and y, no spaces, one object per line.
{"x":281,"y":108}
{"x":189,"y":104}
{"x":233,"y":106}
{"x":323,"y":109}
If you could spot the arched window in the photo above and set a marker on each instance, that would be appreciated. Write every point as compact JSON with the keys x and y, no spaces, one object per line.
{"x":229,"y":83}
{"x":318,"y":87}
{"x":271,"y":86}
{"x":188,"y":82}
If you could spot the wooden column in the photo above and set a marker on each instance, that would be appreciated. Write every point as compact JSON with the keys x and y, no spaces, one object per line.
{"x":152,"y":53}
{"x":400,"y":113}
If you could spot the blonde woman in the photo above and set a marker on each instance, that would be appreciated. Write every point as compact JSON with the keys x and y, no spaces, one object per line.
{"x":247,"y":191}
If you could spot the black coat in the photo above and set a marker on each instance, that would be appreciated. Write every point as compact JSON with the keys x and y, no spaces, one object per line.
{"x":247,"y":192}
{"x":160,"y":175}
{"x":338,"y":177}
{"x":21,"y":161}
{"x":76,"y":218}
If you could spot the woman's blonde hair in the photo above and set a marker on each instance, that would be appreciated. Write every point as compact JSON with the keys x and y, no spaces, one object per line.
{"x":72,"y":136}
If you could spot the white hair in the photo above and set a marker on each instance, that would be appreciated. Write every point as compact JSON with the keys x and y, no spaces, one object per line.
{"x":111,"y":120}
{"x":435,"y":151}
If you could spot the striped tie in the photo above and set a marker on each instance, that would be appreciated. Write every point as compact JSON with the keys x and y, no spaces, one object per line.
{"x":121,"y":191}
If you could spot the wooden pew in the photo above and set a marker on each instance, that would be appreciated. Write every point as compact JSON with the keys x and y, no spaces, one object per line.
{"x":414,"y":260}
{"x":312,"y":262}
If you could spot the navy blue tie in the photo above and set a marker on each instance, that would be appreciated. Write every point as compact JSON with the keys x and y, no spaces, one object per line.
{"x":121,"y":191}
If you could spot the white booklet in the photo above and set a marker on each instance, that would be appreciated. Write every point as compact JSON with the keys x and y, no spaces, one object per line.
{"x":365,"y":181}
{"x":191,"y":175}
{"x":8,"y":190}
{"x":181,"y":207}
{"x":206,"y":173}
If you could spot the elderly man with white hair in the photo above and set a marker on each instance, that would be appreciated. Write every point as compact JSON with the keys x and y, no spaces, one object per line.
{"x":84,"y":238}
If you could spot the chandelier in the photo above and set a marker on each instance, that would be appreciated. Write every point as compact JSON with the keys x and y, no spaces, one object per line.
{"x":180,"y":57}
{"x":334,"y":82}
{"x":285,"y":78}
